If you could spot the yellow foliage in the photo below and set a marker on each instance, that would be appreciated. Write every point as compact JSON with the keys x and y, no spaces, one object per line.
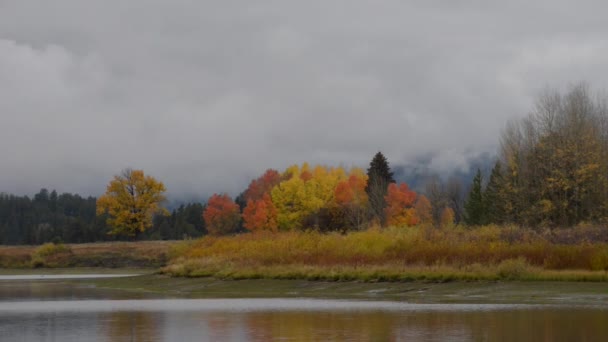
{"x":131,"y":200}
{"x":304,"y":192}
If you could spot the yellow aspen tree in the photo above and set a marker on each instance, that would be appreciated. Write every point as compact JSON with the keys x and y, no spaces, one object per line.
{"x":131,"y":200}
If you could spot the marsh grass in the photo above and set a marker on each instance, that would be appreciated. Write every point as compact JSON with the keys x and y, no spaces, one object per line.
{"x":393,"y":254}
{"x":106,"y":254}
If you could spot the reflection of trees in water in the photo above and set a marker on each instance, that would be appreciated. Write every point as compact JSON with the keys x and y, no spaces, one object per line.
{"x":321,"y":326}
{"x":566,"y":324}
{"x":540,"y":324}
{"x":132,"y":326}
{"x":512,"y":325}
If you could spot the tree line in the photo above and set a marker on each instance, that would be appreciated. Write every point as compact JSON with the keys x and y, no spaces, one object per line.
{"x":552,"y":169}
{"x":325,"y":199}
{"x":52,"y":217}
{"x":301,"y":197}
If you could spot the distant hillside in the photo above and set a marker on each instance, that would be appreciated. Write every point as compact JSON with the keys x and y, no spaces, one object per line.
{"x":420,"y":171}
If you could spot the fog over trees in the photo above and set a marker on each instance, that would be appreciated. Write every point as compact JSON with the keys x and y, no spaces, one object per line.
{"x":551,"y":171}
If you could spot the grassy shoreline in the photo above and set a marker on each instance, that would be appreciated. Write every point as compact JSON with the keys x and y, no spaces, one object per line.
{"x":420,"y":253}
{"x":146,"y":254}
{"x":78,"y":271}
{"x":385,"y":273}
{"x":396,"y":254}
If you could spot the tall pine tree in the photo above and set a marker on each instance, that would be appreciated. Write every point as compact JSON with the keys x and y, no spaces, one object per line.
{"x":474,"y":208}
{"x":493,"y":196}
{"x":379,"y":177}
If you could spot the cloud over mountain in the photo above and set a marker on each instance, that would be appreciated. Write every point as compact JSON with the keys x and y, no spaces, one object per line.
{"x":207,"y":95}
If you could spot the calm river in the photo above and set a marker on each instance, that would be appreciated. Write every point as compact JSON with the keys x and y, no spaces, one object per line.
{"x":51,"y":310}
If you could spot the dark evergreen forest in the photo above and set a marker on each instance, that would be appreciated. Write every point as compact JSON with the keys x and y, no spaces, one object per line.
{"x":70,"y":218}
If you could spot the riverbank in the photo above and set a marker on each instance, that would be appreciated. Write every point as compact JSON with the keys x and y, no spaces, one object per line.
{"x":409,"y":254}
{"x":519,"y":292}
{"x":140,"y":254}
{"x":147,"y":283}
{"x":78,"y":271}
{"x":397,"y":254}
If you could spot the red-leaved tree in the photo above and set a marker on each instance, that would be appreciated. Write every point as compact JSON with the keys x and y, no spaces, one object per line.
{"x":260,"y":215}
{"x":262,"y":185}
{"x":222,"y":215}
{"x":351,"y":199}
{"x":399,"y":209}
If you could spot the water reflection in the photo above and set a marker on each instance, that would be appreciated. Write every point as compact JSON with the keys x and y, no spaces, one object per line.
{"x":46,"y":311}
{"x":281,"y":320}
{"x":517,"y":325}
{"x":131,"y":326}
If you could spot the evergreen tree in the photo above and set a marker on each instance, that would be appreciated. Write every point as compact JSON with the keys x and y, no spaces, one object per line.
{"x":474,"y":208}
{"x":493,"y":196}
{"x":379,"y":177}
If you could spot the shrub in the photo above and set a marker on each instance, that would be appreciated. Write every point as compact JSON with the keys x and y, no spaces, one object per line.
{"x":51,"y":255}
{"x":513,"y":268}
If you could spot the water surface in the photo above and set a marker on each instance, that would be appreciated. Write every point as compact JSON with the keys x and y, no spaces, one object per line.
{"x":56,"y":311}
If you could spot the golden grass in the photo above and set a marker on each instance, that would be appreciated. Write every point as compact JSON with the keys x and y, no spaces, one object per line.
{"x":105,"y":254}
{"x":393,"y":254}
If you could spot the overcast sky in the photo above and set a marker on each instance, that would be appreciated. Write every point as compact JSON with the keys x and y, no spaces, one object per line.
{"x":205,"y":95}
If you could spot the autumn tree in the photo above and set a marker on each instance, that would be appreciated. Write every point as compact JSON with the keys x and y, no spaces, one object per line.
{"x":262,"y":185}
{"x":351,"y":199}
{"x":555,"y":161}
{"x":258,"y":187}
{"x":222,"y":215}
{"x":513,"y":183}
{"x":304,"y":193}
{"x":131,"y":200}
{"x":379,"y":176}
{"x":399,"y":209}
{"x":289,"y":197}
{"x":260,"y":215}
{"x":424,"y":210}
{"x":447,"y":217}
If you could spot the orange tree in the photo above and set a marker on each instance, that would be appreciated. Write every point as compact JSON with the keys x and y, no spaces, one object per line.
{"x":222,"y":215}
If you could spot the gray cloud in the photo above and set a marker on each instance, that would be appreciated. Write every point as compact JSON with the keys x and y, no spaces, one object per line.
{"x":205,"y":95}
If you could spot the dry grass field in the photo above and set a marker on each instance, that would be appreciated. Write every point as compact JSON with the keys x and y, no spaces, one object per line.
{"x":399,"y":254}
{"x":105,"y":254}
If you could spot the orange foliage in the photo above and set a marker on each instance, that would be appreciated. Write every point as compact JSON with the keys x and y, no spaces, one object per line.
{"x":447,"y":217}
{"x":424,"y":210}
{"x":351,"y":191}
{"x":351,"y":198}
{"x":399,"y":205}
{"x":258,"y":187}
{"x":222,"y":215}
{"x":306,"y":176}
{"x":260,"y":215}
